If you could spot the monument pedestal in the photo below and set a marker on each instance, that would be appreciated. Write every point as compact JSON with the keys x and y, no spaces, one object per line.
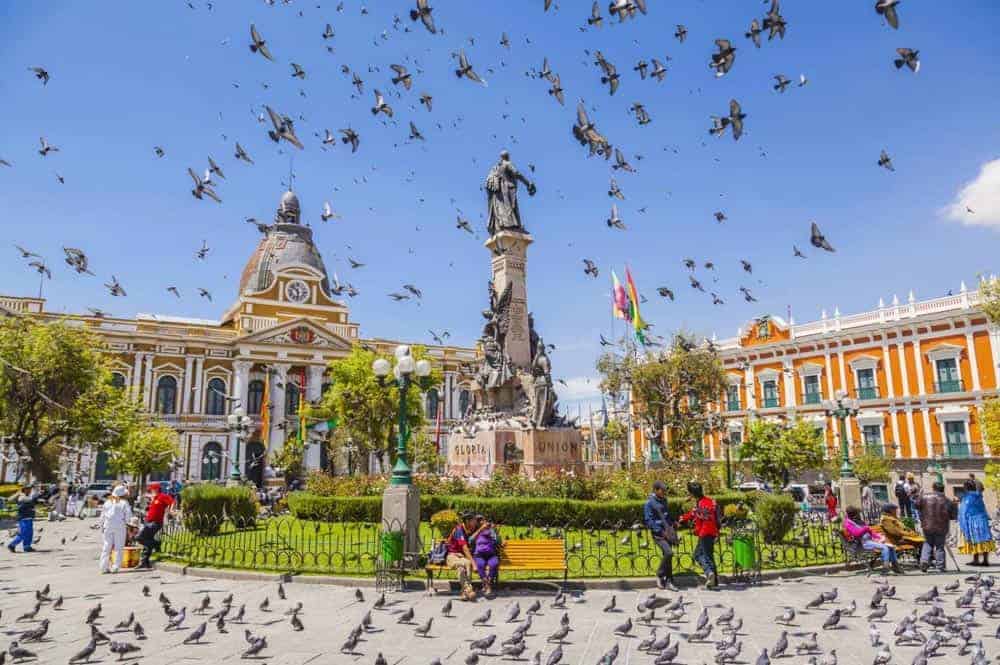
{"x":850,"y":493}
{"x":526,"y":451}
{"x":401,"y":512}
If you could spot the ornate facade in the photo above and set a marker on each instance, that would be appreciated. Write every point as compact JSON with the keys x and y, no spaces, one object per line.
{"x":920,"y":371}
{"x":285,"y":327}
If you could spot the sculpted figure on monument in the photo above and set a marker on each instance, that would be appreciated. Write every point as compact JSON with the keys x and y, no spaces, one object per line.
{"x":543,"y":397}
{"x":495,"y":369}
{"x":501,"y":196}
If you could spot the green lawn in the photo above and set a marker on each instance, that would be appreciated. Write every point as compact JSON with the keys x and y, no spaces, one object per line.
{"x":287,"y":544}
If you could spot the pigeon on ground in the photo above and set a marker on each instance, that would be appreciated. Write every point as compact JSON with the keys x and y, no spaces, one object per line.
{"x":83,"y":654}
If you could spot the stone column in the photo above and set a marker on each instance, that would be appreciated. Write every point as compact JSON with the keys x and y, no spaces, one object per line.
{"x":279,"y":386}
{"x":241,"y":380}
{"x":199,"y":370}
{"x":510,"y":256}
{"x":970,"y":344}
{"x":147,"y":396}
{"x":137,"y":374}
{"x":314,"y":392}
{"x":186,"y":394}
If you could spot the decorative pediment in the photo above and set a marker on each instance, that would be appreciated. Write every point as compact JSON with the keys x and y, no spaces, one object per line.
{"x":864,"y":362}
{"x":809,"y":369}
{"x":764,"y":330}
{"x":944,"y":351}
{"x":298,"y":332}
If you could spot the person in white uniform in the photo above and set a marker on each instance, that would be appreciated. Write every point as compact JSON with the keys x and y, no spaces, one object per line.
{"x":115,"y":517}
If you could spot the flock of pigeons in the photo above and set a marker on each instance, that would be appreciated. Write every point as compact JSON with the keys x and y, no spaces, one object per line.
{"x":281,"y":127}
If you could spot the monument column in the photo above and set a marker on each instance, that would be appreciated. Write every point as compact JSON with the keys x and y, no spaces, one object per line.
{"x":509,"y":266}
{"x":279,"y":388}
{"x":314,"y":392}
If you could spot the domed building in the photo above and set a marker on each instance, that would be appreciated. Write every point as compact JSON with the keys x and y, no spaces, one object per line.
{"x":269,"y":351}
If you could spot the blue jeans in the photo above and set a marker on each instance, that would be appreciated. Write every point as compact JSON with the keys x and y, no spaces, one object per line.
{"x":704,"y":554}
{"x":888,"y":553}
{"x":25,"y":534}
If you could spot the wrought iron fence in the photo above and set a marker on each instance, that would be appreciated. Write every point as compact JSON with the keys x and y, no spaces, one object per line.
{"x":287,"y":544}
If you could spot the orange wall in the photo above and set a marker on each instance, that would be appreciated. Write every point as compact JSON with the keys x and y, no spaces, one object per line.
{"x":987,"y":377}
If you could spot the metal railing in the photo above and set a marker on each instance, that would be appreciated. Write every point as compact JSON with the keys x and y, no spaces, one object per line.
{"x":812,"y":398}
{"x":286,"y":544}
{"x":867,"y":392}
{"x":957,"y":449}
{"x":771,"y":403}
{"x":732,"y":405}
{"x":950,"y":386}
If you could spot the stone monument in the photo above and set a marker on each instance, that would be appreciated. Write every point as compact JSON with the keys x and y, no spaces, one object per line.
{"x":513,"y":420}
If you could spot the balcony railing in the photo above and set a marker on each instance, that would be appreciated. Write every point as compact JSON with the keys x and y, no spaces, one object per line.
{"x":950,"y":386}
{"x":771,"y":403}
{"x":732,"y":405}
{"x":958,"y":449}
{"x":867,"y":392}
{"x":873,"y":448}
{"x":812,"y":398}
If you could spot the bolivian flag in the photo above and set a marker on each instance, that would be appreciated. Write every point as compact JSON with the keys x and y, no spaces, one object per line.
{"x":265,"y":412}
{"x":633,"y":297}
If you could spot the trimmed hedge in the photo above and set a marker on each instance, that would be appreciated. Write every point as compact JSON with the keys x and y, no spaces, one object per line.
{"x":207,"y":506}
{"x":517,"y":511}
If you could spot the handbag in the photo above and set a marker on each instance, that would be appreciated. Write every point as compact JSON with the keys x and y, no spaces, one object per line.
{"x":439,"y":554}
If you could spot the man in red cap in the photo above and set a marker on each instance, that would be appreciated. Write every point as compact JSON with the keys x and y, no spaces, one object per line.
{"x":159,"y":505}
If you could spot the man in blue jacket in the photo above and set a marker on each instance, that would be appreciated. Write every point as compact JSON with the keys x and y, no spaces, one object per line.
{"x":26,"y":501}
{"x":656,"y":515}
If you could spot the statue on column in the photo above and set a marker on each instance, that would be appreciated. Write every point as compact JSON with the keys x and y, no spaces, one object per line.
{"x":496,"y":368}
{"x":501,"y":196}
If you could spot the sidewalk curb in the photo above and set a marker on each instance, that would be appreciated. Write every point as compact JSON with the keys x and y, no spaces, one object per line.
{"x":416,"y":583}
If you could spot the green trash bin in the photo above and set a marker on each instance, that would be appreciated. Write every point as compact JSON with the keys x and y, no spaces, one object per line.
{"x":744,"y":555}
{"x":392,"y":546}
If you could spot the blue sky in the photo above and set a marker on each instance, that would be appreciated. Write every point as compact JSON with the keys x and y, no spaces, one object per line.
{"x":128,"y":76}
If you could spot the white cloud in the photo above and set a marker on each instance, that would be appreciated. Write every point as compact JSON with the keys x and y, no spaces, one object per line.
{"x":579,"y":389}
{"x":981,"y":196}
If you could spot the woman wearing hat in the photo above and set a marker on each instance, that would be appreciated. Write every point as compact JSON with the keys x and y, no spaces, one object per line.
{"x":114,"y":518}
{"x":895,"y":531}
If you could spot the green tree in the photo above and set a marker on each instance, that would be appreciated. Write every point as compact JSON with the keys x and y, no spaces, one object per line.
{"x":989,"y":299}
{"x":871,"y":468}
{"x":670,"y":392}
{"x":614,"y":440}
{"x":289,"y":459}
{"x":55,"y":389}
{"x":366,"y":411}
{"x":777,"y":451}
{"x":424,"y":453}
{"x":148,"y":448}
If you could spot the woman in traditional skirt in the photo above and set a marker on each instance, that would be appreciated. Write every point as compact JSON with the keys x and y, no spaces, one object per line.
{"x":975,"y":524}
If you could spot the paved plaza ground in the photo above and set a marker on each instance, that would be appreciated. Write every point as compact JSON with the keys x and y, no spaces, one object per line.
{"x":329,"y":613}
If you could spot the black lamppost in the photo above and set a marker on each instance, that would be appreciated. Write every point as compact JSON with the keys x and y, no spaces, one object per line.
{"x":726,"y":445}
{"x":239,"y":423}
{"x":842,"y":408}
{"x":405,"y":368}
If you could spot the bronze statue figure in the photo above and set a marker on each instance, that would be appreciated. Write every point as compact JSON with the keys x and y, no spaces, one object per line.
{"x":501,"y":196}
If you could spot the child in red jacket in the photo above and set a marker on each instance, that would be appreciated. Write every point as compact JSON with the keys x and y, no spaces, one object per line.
{"x":706,"y":527}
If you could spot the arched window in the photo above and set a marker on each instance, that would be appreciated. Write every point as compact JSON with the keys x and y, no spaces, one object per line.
{"x":215,"y":400}
{"x":211,"y":461}
{"x":291,"y":399}
{"x":463,"y":403}
{"x":166,"y":395}
{"x":118,"y":380}
{"x":432,"y":404}
{"x":255,"y":397}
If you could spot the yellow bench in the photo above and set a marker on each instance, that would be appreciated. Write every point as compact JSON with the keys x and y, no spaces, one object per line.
{"x":521,"y":555}
{"x":903,"y":548}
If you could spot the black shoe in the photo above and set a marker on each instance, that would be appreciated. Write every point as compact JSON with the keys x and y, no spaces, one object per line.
{"x":924,"y":567}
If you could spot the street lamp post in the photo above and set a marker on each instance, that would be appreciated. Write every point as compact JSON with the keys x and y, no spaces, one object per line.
{"x":239,"y":423}
{"x":938,"y":469}
{"x":726,"y":444}
{"x":842,"y":408}
{"x":405,"y":368}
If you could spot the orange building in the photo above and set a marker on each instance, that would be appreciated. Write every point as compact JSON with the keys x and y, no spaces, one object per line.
{"x":919,"y":371}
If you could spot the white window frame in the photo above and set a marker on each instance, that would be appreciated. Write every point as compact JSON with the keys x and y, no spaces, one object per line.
{"x":871,"y":418}
{"x":862,"y":363}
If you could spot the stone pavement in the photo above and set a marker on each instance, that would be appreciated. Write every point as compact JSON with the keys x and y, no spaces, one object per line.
{"x":329,"y":613}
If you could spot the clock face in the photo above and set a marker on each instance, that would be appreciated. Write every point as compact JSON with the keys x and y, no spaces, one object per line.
{"x":297,"y":291}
